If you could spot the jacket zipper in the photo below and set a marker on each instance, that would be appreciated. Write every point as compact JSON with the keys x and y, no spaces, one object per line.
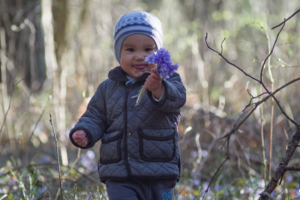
{"x":125,"y":136}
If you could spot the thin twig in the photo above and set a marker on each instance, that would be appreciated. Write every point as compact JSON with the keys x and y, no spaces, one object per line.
{"x":285,"y":67}
{"x":198,"y":161}
{"x":205,"y":192}
{"x":205,"y":159}
{"x":281,"y":109}
{"x":245,"y":154}
{"x":74,"y":163}
{"x":10,"y":104}
{"x":222,"y":46}
{"x":75,"y":192}
{"x":271,"y":52}
{"x":281,"y":178}
{"x":261,"y":109}
{"x":270,"y":94}
{"x":28,"y":141}
{"x":273,"y":95}
{"x":58,"y":161}
{"x":287,"y":139}
{"x":272,"y":107}
{"x":36,"y":124}
{"x":229,"y":61}
{"x":254,"y":97}
{"x":285,"y":20}
{"x":278,"y":104}
{"x":241,"y":119}
{"x":271,"y":133}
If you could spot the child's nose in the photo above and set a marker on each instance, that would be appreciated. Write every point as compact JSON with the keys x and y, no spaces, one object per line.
{"x":140,"y":56}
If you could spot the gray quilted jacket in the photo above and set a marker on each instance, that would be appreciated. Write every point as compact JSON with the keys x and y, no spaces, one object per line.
{"x":137,"y":141}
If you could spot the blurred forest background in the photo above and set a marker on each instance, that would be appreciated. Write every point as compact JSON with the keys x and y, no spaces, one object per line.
{"x":55,"y":53}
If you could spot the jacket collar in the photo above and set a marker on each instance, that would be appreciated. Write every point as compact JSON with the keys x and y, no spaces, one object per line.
{"x":118,"y":74}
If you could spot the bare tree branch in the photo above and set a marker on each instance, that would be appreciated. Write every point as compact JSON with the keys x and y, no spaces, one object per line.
{"x":260,"y":81}
{"x":246,"y":113}
{"x":271,"y":52}
{"x":292,"y":169}
{"x":277,"y":102}
{"x":254,"y":97}
{"x":222,"y":46}
{"x":282,"y":168}
{"x":228,"y":61}
{"x":285,"y":20}
{"x":249,"y":109}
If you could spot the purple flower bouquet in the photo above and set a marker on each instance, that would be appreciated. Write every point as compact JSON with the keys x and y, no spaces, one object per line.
{"x":165,"y":68}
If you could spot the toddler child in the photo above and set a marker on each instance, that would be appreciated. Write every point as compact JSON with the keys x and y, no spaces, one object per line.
{"x":139,"y":153}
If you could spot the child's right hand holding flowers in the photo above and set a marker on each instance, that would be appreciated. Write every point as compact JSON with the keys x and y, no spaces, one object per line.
{"x":80,"y":137}
{"x":164,"y":70}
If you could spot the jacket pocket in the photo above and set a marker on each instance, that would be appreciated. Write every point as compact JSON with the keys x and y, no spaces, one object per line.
{"x":157,"y":145}
{"x":110,"y":149}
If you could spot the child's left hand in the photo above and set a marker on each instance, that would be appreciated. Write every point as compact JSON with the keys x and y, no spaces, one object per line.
{"x":154,"y":84}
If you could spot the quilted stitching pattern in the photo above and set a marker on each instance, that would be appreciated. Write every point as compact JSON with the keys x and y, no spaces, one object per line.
{"x":110,"y":147}
{"x":157,"y":149}
{"x":109,"y":170}
{"x":156,"y":169}
{"x":157,"y":144}
{"x":109,"y":151}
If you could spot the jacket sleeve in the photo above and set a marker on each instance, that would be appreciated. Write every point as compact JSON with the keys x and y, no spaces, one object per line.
{"x":175,"y":95}
{"x":93,"y":122}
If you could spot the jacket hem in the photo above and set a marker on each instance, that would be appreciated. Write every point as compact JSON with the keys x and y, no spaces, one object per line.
{"x":112,"y":178}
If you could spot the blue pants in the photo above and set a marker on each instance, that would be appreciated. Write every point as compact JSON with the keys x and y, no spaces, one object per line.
{"x":141,"y":189}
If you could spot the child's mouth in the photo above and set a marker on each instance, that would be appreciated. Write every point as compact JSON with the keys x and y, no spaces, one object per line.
{"x":139,"y":67}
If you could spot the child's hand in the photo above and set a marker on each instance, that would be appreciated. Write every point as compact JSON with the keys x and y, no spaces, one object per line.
{"x":80,"y":138}
{"x":154,"y":84}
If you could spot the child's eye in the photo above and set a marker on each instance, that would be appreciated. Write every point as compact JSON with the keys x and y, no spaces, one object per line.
{"x":148,"y":49}
{"x":130,"y":49}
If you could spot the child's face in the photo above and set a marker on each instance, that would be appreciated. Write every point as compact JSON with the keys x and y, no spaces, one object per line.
{"x":133,"y":52}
